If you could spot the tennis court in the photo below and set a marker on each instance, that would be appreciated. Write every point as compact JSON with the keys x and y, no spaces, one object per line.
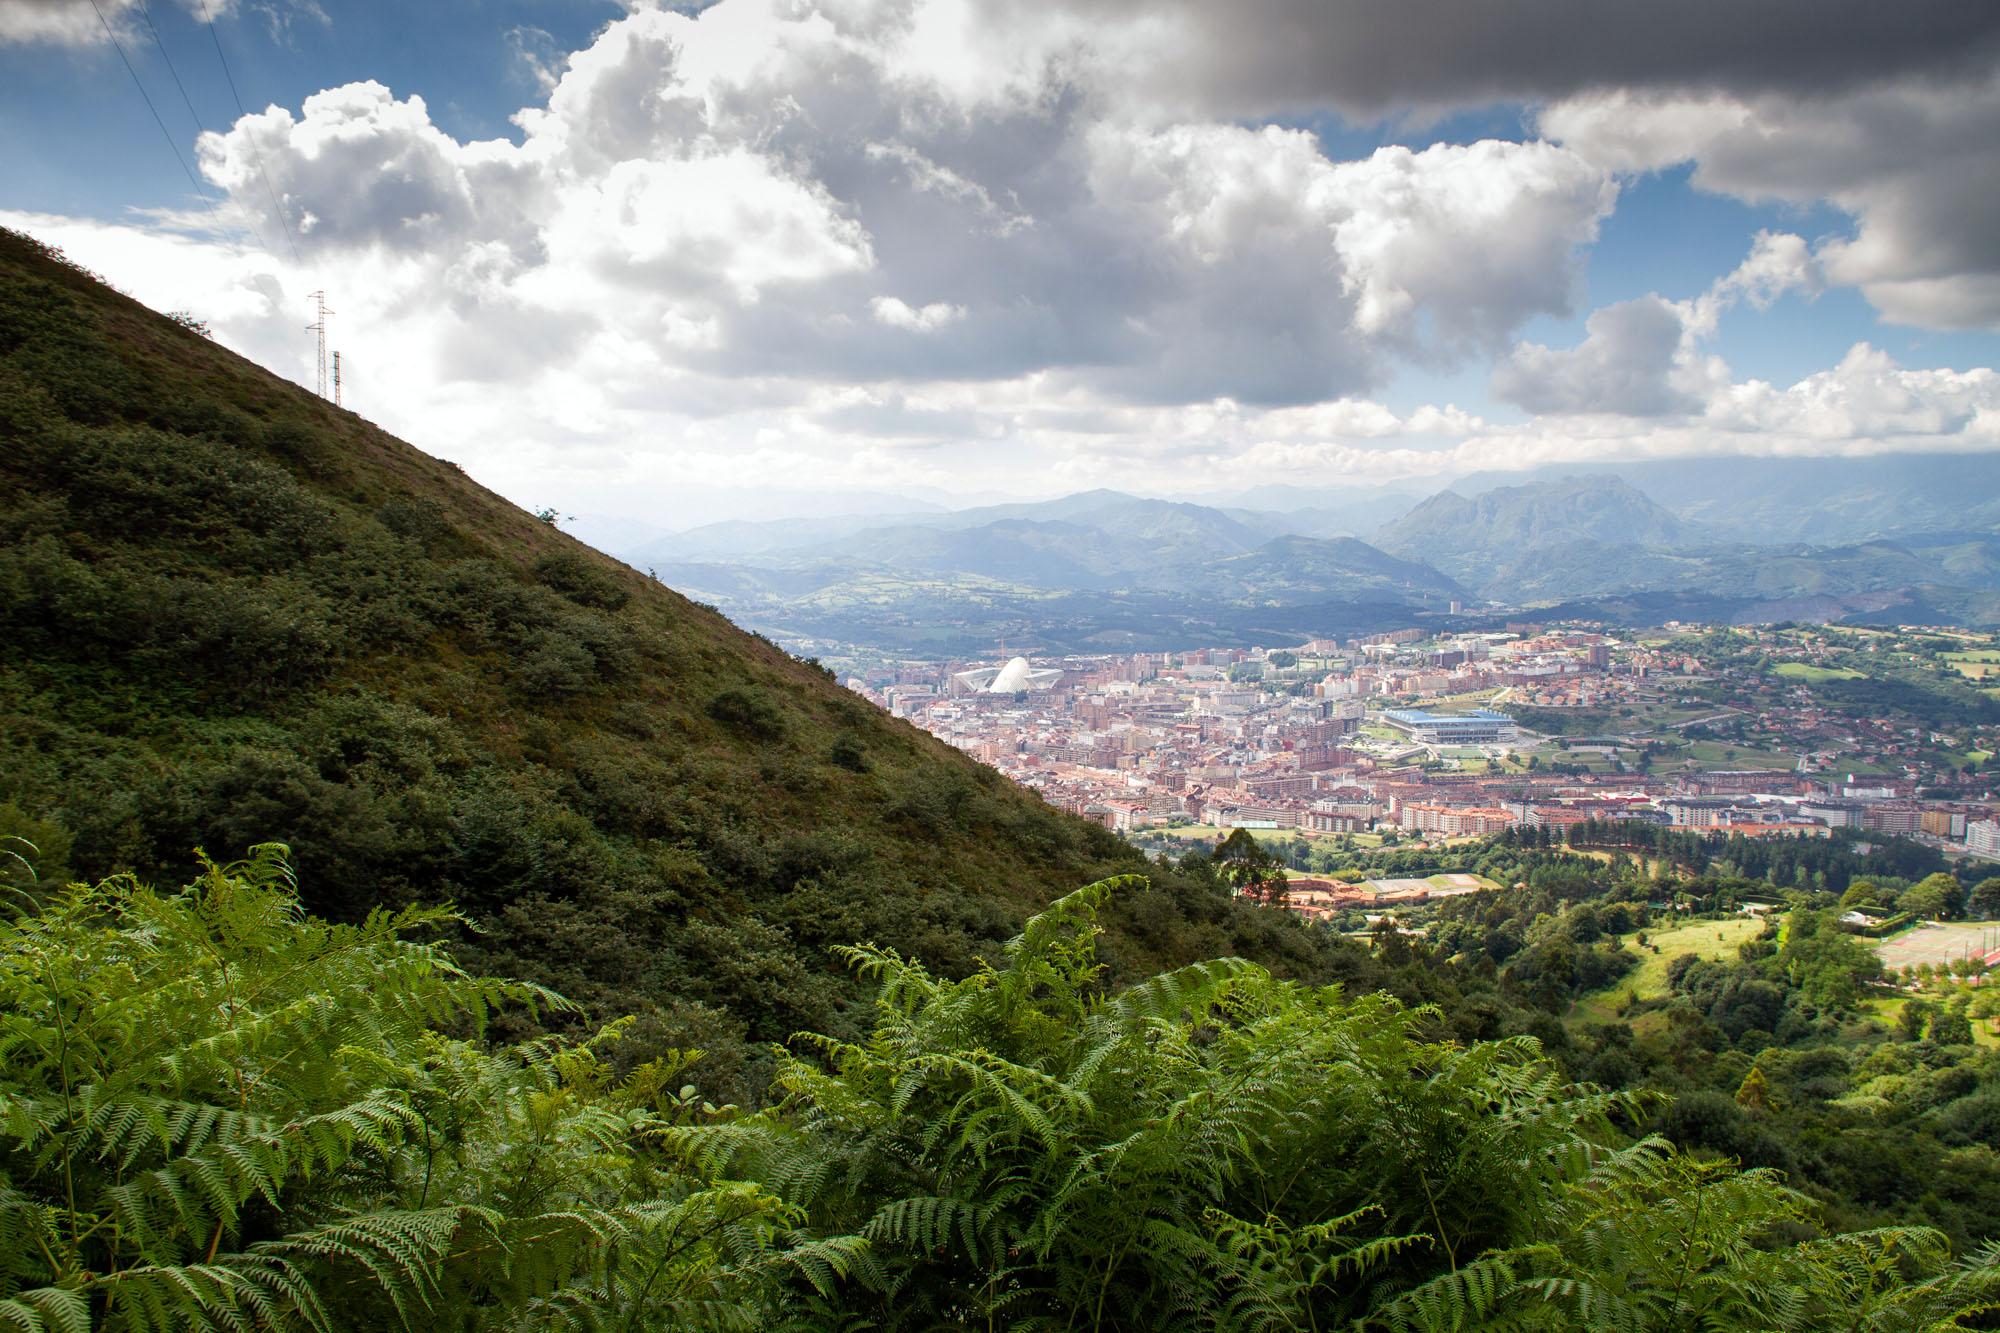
{"x":1404,"y":887}
{"x":1935,"y":942}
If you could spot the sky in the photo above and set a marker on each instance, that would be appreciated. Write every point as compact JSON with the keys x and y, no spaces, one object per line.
{"x":658,"y":267}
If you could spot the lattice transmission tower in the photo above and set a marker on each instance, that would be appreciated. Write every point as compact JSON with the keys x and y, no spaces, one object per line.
{"x":319,"y":327}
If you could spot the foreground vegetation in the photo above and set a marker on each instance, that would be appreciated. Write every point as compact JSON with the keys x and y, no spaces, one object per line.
{"x":217,"y":1112}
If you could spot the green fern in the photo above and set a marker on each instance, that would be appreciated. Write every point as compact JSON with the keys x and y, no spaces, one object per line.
{"x":217,"y":1113}
{"x":1213,"y":1148}
{"x":1653,"y":1240}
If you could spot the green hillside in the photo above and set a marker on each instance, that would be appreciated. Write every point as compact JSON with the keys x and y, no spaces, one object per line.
{"x":231,"y":612}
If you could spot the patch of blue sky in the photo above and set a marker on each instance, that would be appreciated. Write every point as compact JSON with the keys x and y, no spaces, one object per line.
{"x":59,"y":108}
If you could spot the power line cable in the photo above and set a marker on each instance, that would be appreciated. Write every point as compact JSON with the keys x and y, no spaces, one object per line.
{"x":167,"y":133}
{"x":146,"y":12}
{"x":251,"y":139}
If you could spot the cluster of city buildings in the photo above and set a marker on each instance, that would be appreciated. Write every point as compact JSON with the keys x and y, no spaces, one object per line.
{"x":1329,"y":738}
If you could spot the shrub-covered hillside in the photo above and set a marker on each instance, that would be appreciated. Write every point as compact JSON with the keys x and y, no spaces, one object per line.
{"x":232,"y":613}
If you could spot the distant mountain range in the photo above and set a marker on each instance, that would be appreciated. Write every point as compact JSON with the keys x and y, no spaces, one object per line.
{"x":1825,"y":501}
{"x":1915,"y":538}
{"x":1581,"y":537}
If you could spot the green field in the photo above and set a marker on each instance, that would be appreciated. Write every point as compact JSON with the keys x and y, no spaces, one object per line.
{"x":1812,"y":674}
{"x":1442,"y":881}
{"x":1726,"y":754}
{"x":1885,"y":1008}
{"x":1980,"y":666}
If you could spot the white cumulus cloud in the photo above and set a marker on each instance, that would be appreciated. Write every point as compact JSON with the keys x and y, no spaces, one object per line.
{"x":956,"y":244}
{"x":1911,"y":161}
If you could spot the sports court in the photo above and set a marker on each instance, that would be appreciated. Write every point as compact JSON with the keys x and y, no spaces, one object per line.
{"x":1438,"y":886}
{"x":1935,"y":942}
{"x":1401,"y":885}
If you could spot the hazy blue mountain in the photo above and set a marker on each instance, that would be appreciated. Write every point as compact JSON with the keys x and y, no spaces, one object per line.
{"x":738,"y":538}
{"x":1473,"y":537}
{"x":1335,"y":520}
{"x":1294,"y":569}
{"x":818,"y":536}
{"x":1115,"y":572}
{"x":1326,"y":511}
{"x":1050,"y":554}
{"x":1114,"y":542}
{"x":1824,"y":500}
{"x":1136,"y":569}
{"x":1596,"y":536}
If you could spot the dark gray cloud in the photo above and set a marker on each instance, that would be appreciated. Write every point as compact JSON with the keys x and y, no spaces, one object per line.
{"x":1377,"y":57}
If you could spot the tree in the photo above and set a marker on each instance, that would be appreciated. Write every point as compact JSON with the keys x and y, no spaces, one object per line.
{"x":1755,"y":1092}
{"x":1252,"y":868}
{"x":1935,"y":897}
{"x":1984,"y":900}
{"x":1910,"y":1019}
{"x":1952,"y":1026}
{"x":1823,"y":961}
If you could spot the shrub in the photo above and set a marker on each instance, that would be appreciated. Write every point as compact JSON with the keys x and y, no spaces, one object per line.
{"x":750,"y":711}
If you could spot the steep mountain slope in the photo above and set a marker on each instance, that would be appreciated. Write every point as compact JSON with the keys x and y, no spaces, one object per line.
{"x":230,"y":612}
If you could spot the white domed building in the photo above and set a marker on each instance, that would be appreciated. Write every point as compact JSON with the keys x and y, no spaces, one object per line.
{"x":1013,"y":678}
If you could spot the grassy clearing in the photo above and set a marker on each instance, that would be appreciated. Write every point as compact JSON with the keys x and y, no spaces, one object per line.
{"x":1704,"y":939}
{"x":1981,"y":666}
{"x":1723,"y":754}
{"x":1470,"y":699}
{"x":1885,"y":1009}
{"x":1812,"y":674}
